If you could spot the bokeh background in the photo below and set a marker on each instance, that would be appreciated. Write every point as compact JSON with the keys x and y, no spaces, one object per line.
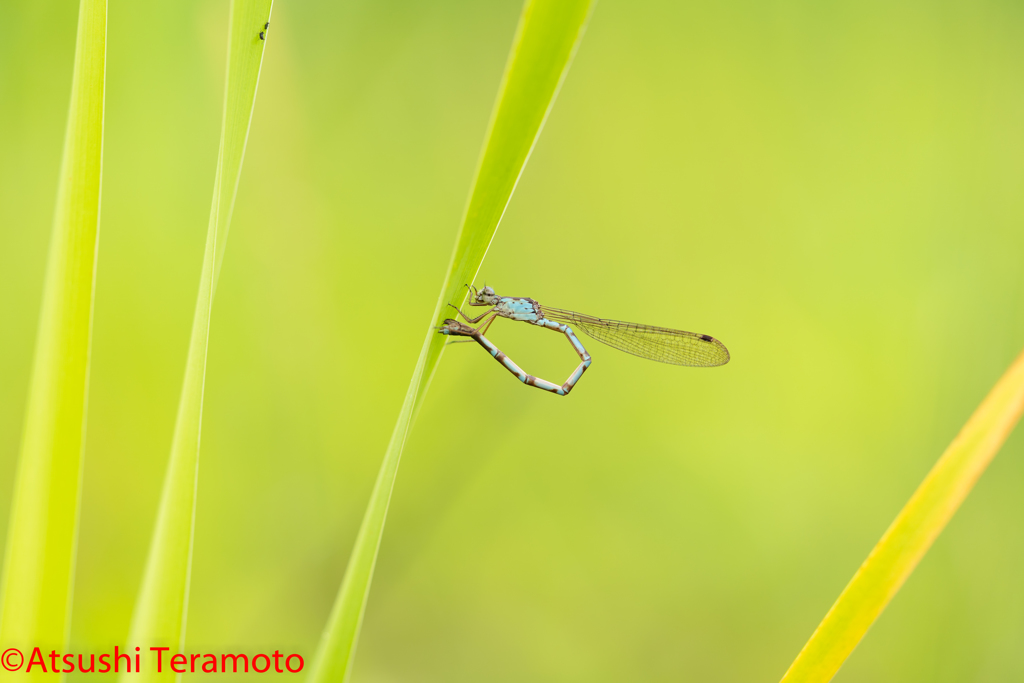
{"x":832,"y":189}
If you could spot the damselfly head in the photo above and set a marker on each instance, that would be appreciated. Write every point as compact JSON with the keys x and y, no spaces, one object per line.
{"x":486,"y":295}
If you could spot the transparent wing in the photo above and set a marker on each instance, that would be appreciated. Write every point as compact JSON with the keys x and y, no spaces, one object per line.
{"x":662,"y":344}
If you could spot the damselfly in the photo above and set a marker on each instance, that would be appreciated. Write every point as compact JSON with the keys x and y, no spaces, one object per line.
{"x":662,"y":344}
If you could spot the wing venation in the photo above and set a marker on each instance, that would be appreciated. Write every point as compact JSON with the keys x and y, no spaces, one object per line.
{"x":661,"y":344}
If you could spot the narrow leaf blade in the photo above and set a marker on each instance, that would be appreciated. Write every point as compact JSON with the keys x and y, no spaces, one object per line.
{"x":162,"y":605}
{"x":546,"y":40}
{"x":913,"y":531}
{"x":40,"y":555}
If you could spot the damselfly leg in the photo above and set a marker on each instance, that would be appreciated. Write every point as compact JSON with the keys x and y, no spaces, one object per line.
{"x":481,"y":328}
{"x":472,"y":321}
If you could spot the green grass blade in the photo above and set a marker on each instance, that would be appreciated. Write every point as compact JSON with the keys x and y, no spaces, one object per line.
{"x":912,"y":532}
{"x":159,"y":618}
{"x":39,"y":561}
{"x":547,"y":37}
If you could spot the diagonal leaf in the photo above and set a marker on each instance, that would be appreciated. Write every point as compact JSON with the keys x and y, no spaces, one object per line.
{"x":548,"y":35}
{"x":38,"y":564}
{"x":912,"y":532}
{"x":159,"y":618}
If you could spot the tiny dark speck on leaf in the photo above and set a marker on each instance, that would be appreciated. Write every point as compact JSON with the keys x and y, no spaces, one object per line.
{"x":261,"y":36}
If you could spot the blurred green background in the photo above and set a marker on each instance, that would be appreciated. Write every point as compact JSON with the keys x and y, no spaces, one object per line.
{"x":832,"y":189}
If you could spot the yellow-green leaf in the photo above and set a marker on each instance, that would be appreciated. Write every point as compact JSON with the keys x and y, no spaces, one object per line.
{"x":38,"y":564}
{"x":547,"y":37}
{"x":159,"y":618}
{"x":912,"y":532}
